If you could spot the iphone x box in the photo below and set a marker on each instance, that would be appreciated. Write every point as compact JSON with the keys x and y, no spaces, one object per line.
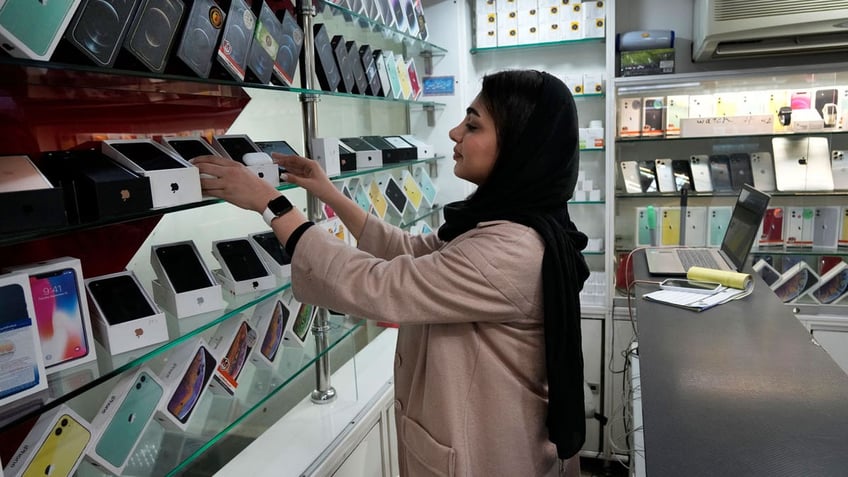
{"x":152,"y":34}
{"x":230,"y":59}
{"x":125,"y":318}
{"x":185,"y":376}
{"x":95,"y":186}
{"x":122,"y":420}
{"x":28,"y":200}
{"x":54,"y":446}
{"x":272,"y":253}
{"x":173,"y":180}
{"x":61,"y":310}
{"x":32,"y":29}
{"x":242,"y":271}
{"x":232,"y":344}
{"x":270,"y":319}
{"x":184,"y":286}
{"x":21,"y":361}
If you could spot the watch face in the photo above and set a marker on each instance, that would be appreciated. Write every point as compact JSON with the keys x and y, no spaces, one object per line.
{"x":280,"y":205}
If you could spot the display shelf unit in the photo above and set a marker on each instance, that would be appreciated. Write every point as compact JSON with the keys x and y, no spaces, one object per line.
{"x":57,"y":99}
{"x":535,"y":46}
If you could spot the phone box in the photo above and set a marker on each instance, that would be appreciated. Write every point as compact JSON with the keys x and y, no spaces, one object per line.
{"x":267,"y":37}
{"x":64,"y":436}
{"x":424,"y":150}
{"x":286,"y":61}
{"x":804,"y":120}
{"x":152,"y":35}
{"x":594,"y":19}
{"x":186,"y":376}
{"x":843,"y":222}
{"x":486,"y":30}
{"x":125,"y":329}
{"x":270,"y":319}
{"x":325,"y":150}
{"x":95,"y":186}
{"x":170,"y":185}
{"x":718,"y":218}
{"x":234,"y":44}
{"x":241,"y":287}
{"x":198,"y":38}
{"x":28,"y":200}
{"x":123,"y":418}
{"x":367,"y":156}
{"x":18,"y":21}
{"x":59,"y":306}
{"x":826,"y":227}
{"x":236,"y":146}
{"x":301,"y":320}
{"x":394,"y":150}
{"x":22,"y":370}
{"x":629,"y":117}
{"x":647,"y":62}
{"x":276,"y":261}
{"x":574,"y":83}
{"x":572,"y":21}
{"x":653,"y":116}
{"x":799,"y":226}
{"x":795,"y":282}
{"x":187,"y":303}
{"x":95,"y":34}
{"x":833,"y":285}
{"x":593,"y":83}
{"x":232,"y":344}
{"x":507,"y":31}
{"x":677,"y":109}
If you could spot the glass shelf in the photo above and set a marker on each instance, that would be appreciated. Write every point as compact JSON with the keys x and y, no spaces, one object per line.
{"x":593,"y":252}
{"x":9,"y":239}
{"x":582,"y":41}
{"x":734,"y":137}
{"x":806,"y":251}
{"x":733,"y":194}
{"x":588,"y":96}
{"x":585,"y":149}
{"x":586,"y":202}
{"x":414,"y":44}
{"x":421,"y":214}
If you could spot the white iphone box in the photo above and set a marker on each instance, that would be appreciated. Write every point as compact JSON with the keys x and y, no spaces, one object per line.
{"x":22,"y":370}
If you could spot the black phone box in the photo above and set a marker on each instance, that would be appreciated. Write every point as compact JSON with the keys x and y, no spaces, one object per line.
{"x":360,"y":85}
{"x":348,"y":82}
{"x":96,"y":32}
{"x":391,"y":154}
{"x":267,"y":36}
{"x":198,"y":38}
{"x":95,"y":186}
{"x":366,"y":57}
{"x":152,"y":35}
{"x":31,"y":209}
{"x":289,"y":52}
{"x":230,"y":58}
{"x":325,"y":62}
{"x":347,"y":158}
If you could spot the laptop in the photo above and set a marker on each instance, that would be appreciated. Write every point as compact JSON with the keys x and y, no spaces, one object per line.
{"x":741,"y":232}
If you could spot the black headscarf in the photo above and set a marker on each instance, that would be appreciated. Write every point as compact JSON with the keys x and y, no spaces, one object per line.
{"x":532,"y":179}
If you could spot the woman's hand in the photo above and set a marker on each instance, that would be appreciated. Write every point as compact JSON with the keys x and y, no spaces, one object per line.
{"x":308,"y":174}
{"x":234,"y":182}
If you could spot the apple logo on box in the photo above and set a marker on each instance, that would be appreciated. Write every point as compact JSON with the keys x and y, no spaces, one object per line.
{"x":139,"y":332}
{"x":174,"y":187}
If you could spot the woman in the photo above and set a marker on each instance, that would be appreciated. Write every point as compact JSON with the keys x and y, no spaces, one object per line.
{"x":489,"y":368}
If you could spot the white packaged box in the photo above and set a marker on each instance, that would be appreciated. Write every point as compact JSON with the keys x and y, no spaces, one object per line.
{"x":240,"y":148}
{"x":425,"y":151}
{"x":629,"y":116}
{"x":594,"y":138}
{"x":61,"y":310}
{"x":486,"y":30}
{"x":799,"y":226}
{"x":186,"y":376}
{"x":232,"y":345}
{"x":507,"y":27}
{"x":124,"y":316}
{"x":574,"y":84}
{"x":367,"y":156}
{"x":242,"y":270}
{"x":22,"y":370}
{"x":677,"y":109}
{"x":826,"y":227}
{"x":701,"y":106}
{"x":123,"y":418}
{"x":572,"y":21}
{"x":58,"y":428}
{"x":272,"y":253}
{"x":325,"y":150}
{"x":270,"y":319}
{"x":485,"y":6}
{"x":184,"y":285}
{"x":528,"y":22}
{"x":506,"y":6}
{"x":550,"y":28}
{"x":593,"y":83}
{"x":173,"y":180}
{"x":594,"y":19}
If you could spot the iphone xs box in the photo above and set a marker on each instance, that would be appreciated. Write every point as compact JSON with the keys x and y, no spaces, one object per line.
{"x":61,"y":311}
{"x":232,"y":344}
{"x":54,"y":446}
{"x":271,"y":320}
{"x":123,"y":418}
{"x":21,"y":361}
{"x":125,"y":318}
{"x":186,"y":376}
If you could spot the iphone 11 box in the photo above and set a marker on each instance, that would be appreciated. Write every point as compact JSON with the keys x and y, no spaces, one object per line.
{"x":826,"y":227}
{"x":799,"y":226}
{"x":54,"y":446}
{"x":771,"y":229}
{"x":232,"y":344}
{"x":184,"y":285}
{"x":273,"y":253}
{"x":61,"y":310}
{"x":270,"y":319}
{"x":33,"y":29}
{"x":122,"y":420}
{"x":173,"y":180}
{"x":186,"y":377}
{"x":425,"y":150}
{"x":242,"y":271}
{"x":22,"y":370}
{"x":124,"y":316}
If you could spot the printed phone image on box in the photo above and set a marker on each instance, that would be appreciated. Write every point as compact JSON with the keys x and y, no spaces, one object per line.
{"x":695,"y":232}
{"x":271,"y":320}
{"x":54,"y":446}
{"x":123,"y":418}
{"x":646,"y":226}
{"x":304,"y":313}
{"x":22,"y":370}
{"x":186,"y":375}
{"x":771,"y":229}
{"x":677,"y":109}
{"x":64,"y":326}
{"x":232,"y":344}
{"x":799,"y":226}
{"x":670,"y":226}
{"x":653,"y":116}
{"x":629,"y":117}
{"x":796,"y":282}
{"x":766,"y":272}
{"x":717,"y":220}
{"x":833,"y":286}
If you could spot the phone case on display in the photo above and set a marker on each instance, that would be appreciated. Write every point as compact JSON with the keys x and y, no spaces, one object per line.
{"x":799,"y":226}
{"x":630,"y":177}
{"x":695,"y":232}
{"x":771,"y":232}
{"x":682,"y":174}
{"x":740,"y":171}
{"x":665,"y":175}
{"x":762,"y":167}
{"x":700,"y":165}
{"x":670,"y":225}
{"x":717,"y":220}
{"x":720,"y":173}
{"x":648,"y":176}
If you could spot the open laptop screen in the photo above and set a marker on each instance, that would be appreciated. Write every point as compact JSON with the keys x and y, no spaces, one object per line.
{"x":744,"y":224}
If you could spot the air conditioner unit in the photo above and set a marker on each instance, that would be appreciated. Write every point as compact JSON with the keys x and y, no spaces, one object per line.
{"x":748,"y":28}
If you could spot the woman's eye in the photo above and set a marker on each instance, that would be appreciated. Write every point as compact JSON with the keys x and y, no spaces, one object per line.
{"x":470,"y":127}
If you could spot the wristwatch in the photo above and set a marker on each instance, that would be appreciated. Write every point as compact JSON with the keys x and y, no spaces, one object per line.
{"x":276,"y":207}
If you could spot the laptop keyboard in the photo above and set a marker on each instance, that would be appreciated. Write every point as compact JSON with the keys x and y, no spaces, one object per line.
{"x":696,"y":258}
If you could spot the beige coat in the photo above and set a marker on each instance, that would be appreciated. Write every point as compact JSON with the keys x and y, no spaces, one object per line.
{"x":470,"y":379}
